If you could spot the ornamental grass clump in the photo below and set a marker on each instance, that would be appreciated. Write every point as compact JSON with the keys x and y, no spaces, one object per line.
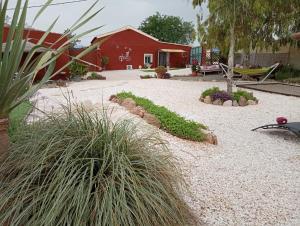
{"x":82,"y":169}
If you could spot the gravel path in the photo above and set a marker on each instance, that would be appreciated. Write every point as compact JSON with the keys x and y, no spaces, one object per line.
{"x":250,"y":178}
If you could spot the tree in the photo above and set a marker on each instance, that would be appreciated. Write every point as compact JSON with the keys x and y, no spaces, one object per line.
{"x":17,"y":75}
{"x":243,"y":25}
{"x":169,"y":29}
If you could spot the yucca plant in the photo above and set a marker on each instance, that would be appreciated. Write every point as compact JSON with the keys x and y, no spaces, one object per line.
{"x":17,"y":75}
{"x":83,"y":169}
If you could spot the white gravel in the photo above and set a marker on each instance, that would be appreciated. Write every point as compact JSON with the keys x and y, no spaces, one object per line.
{"x":250,"y":178}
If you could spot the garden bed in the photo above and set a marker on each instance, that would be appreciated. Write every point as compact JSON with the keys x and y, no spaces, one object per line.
{"x":163,"y":118}
{"x":216,"y":96}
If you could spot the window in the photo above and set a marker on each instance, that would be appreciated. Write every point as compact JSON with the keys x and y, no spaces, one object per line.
{"x":148,"y":58}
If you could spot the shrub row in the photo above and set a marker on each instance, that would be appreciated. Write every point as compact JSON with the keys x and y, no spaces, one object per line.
{"x":170,"y":121}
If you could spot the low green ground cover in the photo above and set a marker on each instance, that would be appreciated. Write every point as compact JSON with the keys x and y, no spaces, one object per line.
{"x":215,"y":92}
{"x":17,"y":116}
{"x":170,"y":121}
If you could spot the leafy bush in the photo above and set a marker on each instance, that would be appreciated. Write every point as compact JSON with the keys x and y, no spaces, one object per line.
{"x":210,"y":92}
{"x":78,"y":69}
{"x":293,"y":80}
{"x":170,"y":121}
{"x":96,"y":76}
{"x":104,"y":60}
{"x":194,"y":67}
{"x":82,"y":169}
{"x":222,"y":95}
{"x":160,"y":70}
{"x":238,"y":94}
{"x":287,"y":72}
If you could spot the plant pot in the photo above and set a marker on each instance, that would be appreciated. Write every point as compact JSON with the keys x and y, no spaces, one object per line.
{"x":4,"y":139}
{"x":194,"y":73}
{"x":160,"y":75}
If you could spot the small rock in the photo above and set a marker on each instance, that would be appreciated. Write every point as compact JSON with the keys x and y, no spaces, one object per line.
{"x":235,"y":103}
{"x":251,"y":102}
{"x":243,"y":101}
{"x":228,"y":103}
{"x":201,"y":99}
{"x":211,"y":139}
{"x":138,"y":111}
{"x":152,"y":120}
{"x":217,"y":102}
{"x":112,"y":97}
{"x":128,"y":103}
{"x":207,"y":100}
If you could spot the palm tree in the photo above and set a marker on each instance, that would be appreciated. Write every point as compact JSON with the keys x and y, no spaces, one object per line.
{"x":16,"y":74}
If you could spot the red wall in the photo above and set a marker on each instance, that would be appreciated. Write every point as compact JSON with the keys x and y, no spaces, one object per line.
{"x":34,"y":36}
{"x":94,"y":58}
{"x":136,"y":45}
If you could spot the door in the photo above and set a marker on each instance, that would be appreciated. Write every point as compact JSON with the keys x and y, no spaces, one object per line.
{"x":163,"y":59}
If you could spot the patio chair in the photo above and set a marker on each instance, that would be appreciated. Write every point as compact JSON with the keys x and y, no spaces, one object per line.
{"x":256,"y":72}
{"x":294,"y":127}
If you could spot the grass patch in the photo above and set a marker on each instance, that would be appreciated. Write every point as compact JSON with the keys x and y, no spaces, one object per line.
{"x":170,"y":121}
{"x":17,"y":116}
{"x":83,"y":169}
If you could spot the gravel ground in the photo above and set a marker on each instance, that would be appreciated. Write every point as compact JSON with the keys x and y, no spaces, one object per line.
{"x":250,"y":178}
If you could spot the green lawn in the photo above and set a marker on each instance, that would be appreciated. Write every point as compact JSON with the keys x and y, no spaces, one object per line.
{"x":17,"y":116}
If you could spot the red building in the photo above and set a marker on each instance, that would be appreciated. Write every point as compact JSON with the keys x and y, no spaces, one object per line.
{"x":33,"y":36}
{"x":131,"y":48}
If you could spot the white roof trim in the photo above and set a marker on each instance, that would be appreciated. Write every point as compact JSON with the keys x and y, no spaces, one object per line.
{"x":138,"y":31}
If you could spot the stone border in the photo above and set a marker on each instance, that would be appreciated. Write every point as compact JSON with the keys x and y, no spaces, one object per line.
{"x":151,"y":119}
{"x":229,"y":103}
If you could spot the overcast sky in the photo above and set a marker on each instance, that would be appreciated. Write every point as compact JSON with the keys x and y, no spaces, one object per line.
{"x":116,"y":14}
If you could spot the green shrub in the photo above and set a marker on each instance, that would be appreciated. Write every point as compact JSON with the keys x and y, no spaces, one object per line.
{"x":170,"y":121}
{"x":287,"y":72}
{"x":96,"y":76}
{"x":82,"y":169}
{"x":160,"y":70}
{"x":238,"y":94}
{"x":210,"y":92}
{"x":78,"y":69}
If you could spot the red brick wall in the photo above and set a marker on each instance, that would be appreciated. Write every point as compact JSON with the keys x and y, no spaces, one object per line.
{"x":128,"y":48}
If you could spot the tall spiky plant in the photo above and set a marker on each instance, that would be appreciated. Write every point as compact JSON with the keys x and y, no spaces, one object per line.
{"x":17,"y":76}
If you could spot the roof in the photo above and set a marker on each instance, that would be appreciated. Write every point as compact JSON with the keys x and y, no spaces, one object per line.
{"x":137,"y":31}
{"x":28,"y":47}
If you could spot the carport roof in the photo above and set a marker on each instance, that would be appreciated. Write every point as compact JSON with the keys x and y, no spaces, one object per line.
{"x":172,"y":50}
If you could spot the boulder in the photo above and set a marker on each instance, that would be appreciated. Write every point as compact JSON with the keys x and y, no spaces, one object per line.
{"x":242,"y":101}
{"x":235,"y":103}
{"x":201,"y":99}
{"x":138,"y":111}
{"x":211,"y":139}
{"x":217,"y":102}
{"x":251,"y":102}
{"x":152,"y":120}
{"x":207,"y":100}
{"x":227,"y":103}
{"x":128,"y":103}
